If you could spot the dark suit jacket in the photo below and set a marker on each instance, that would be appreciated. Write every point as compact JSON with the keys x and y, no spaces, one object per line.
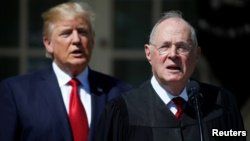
{"x":32,"y":108}
{"x":141,"y":115}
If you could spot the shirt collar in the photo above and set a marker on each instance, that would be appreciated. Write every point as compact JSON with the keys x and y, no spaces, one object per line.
{"x":165,"y":95}
{"x":63,"y":78}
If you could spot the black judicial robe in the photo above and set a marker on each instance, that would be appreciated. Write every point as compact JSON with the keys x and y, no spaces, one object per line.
{"x":141,"y":115}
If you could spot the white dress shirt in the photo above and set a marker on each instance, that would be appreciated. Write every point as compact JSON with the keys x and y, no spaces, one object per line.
{"x":63,"y":78}
{"x":165,"y":96}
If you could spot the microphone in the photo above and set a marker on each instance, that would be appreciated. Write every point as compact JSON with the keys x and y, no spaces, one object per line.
{"x":193,"y":89}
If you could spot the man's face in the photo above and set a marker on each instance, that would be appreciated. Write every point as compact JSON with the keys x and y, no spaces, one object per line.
{"x":176,"y":64}
{"x":70,"y":43}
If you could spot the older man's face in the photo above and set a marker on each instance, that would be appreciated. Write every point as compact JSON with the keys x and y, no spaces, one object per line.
{"x":71,"y":44}
{"x":171,"y":55}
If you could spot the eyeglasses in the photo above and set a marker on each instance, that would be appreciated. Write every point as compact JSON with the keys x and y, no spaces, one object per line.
{"x":181,"y":48}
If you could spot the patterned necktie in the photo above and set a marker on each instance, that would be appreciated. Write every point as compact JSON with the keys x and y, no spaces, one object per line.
{"x":178,"y":101}
{"x":77,"y":115}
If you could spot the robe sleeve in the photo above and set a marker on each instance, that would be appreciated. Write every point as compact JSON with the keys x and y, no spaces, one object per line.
{"x":113,"y":124}
{"x":234,"y":118}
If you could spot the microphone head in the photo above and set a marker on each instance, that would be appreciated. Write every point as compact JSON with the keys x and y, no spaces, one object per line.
{"x":193,"y":88}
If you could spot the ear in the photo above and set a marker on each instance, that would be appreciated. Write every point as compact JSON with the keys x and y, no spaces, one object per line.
{"x":148,"y":49}
{"x":48,"y":45}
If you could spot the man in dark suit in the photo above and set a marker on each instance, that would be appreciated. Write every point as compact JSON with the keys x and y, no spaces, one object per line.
{"x":166,"y":108}
{"x":63,"y":102}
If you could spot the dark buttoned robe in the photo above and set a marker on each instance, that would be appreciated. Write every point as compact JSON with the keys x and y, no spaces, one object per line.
{"x":141,"y":115}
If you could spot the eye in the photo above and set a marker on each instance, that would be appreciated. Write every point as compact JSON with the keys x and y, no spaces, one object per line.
{"x":166,"y":46}
{"x":83,"y":32}
{"x":183,"y":46}
{"x":66,"y":33}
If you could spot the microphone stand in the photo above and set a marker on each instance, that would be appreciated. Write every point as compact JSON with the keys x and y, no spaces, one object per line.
{"x":198,"y":112}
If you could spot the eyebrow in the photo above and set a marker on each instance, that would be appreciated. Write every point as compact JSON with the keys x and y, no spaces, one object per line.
{"x":168,"y":42}
{"x":66,"y":28}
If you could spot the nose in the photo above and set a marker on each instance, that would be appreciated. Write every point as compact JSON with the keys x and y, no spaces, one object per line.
{"x":76,"y":37}
{"x":172,"y":52}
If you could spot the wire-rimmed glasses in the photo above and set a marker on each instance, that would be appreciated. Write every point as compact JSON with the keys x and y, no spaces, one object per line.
{"x":182,"y":48}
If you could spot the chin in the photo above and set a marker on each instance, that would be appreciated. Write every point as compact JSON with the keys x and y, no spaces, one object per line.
{"x":79,"y":65}
{"x":79,"y":61}
{"x":173,"y":78}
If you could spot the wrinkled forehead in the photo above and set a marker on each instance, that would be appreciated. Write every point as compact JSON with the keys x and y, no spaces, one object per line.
{"x":172,"y":30}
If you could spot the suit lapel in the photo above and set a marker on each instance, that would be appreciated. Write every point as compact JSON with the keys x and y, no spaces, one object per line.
{"x":55,"y":102}
{"x":98,"y":96}
{"x":98,"y":99}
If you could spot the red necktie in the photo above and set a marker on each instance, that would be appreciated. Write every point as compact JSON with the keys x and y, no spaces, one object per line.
{"x":77,"y":115}
{"x":178,"y":101}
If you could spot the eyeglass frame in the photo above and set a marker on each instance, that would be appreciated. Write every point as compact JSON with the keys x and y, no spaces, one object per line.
{"x":187,"y":48}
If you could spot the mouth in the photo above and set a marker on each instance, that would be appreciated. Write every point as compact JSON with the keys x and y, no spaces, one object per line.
{"x":77,"y":53}
{"x":174,"y":68}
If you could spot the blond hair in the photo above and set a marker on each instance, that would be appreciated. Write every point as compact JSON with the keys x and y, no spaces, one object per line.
{"x":68,"y":11}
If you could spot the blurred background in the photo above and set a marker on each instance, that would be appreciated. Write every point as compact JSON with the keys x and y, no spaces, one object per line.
{"x":123,"y":27}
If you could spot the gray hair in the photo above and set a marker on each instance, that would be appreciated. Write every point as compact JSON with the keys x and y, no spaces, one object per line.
{"x":174,"y":14}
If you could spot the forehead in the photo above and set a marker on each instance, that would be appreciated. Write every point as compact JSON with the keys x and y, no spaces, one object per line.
{"x":77,"y":22}
{"x":173,"y":29}
{"x":72,"y":21}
